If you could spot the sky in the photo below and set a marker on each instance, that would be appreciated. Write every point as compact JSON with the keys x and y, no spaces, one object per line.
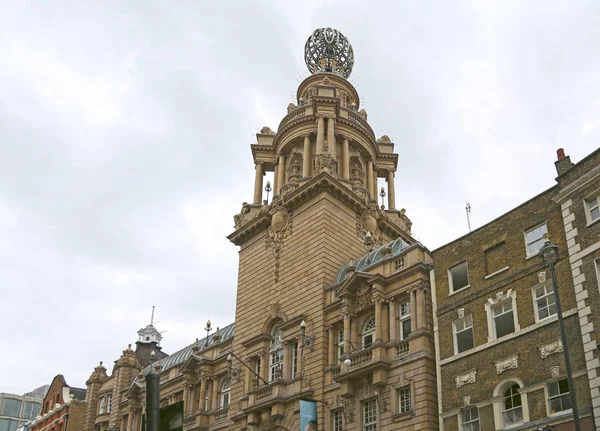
{"x":125,"y":132}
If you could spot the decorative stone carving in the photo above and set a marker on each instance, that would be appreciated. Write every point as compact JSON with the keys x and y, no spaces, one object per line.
{"x":288,"y":188}
{"x":555,"y":372}
{"x":548,"y":349}
{"x":467,"y":400}
{"x":240,"y":219}
{"x":542,"y":276}
{"x":267,"y":131}
{"x":465,"y":379}
{"x":509,"y":363}
{"x":461,"y":313}
{"x":280,"y":229}
{"x":366,"y":221}
{"x":324,"y":161}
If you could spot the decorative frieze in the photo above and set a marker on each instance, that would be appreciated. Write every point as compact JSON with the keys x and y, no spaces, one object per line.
{"x":509,"y":363}
{"x":465,"y":379}
{"x":467,"y":400}
{"x":548,"y":349}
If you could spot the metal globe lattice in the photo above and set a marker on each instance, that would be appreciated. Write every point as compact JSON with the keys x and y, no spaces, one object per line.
{"x":328,"y":50}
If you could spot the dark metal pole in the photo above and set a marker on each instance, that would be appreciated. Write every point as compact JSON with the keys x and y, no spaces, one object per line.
{"x":563,"y":336}
{"x":152,"y":400}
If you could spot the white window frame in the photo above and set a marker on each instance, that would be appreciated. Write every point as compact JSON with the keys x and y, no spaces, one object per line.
{"x":451,"y":282}
{"x":370,"y":425}
{"x":108,"y":403}
{"x":463,"y":425}
{"x":225,"y":393}
{"x":401,"y":397}
{"x":294,"y":361}
{"x":368,"y":332}
{"x":588,"y":210}
{"x":276,"y":353}
{"x":337,"y":420}
{"x":102,"y":406}
{"x":455,"y":331}
{"x":547,"y":285}
{"x":339,"y":337}
{"x":525,"y":232}
{"x":547,"y":396}
{"x":498,"y":402}
{"x":489,"y":306}
{"x":405,"y":313}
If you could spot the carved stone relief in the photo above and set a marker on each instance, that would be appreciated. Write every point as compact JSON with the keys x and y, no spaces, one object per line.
{"x":280,"y":229}
{"x":548,"y":349}
{"x":509,"y":363}
{"x":465,"y":379}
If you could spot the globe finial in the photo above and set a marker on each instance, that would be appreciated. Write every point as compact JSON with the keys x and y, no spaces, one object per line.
{"x":328,"y":50}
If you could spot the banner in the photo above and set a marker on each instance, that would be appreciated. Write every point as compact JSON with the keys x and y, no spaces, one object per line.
{"x":308,"y":415}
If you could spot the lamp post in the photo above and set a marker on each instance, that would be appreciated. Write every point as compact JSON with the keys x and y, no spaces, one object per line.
{"x":549,"y":255}
{"x":268,"y":189}
{"x":207,"y":329}
{"x":382,"y":194}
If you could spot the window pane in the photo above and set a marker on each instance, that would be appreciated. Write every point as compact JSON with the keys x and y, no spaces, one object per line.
{"x":460,"y":277}
{"x":464,"y":340}
{"x":405,"y":328}
{"x":595,"y":213}
{"x":11,"y":407}
{"x":504,"y":324}
{"x":31,"y":409}
{"x":8,"y":425}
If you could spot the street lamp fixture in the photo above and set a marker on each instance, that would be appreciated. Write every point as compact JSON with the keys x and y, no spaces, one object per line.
{"x":549,"y":255}
{"x":207,"y":329}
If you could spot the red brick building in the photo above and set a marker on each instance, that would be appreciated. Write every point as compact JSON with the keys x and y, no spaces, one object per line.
{"x":62,"y":409}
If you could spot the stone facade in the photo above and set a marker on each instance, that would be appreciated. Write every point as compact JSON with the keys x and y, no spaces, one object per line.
{"x":497,"y":335}
{"x":578,"y":196}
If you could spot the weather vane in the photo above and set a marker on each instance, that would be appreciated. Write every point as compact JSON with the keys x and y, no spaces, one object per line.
{"x":328,"y":50}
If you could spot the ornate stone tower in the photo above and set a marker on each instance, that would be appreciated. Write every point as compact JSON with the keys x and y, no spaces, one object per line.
{"x":324,"y":213}
{"x":93,"y":385}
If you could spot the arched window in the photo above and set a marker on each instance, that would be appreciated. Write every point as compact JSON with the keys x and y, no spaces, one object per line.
{"x":225,"y":391}
{"x":512,"y":407}
{"x":368,"y":333}
{"x":276,"y":354}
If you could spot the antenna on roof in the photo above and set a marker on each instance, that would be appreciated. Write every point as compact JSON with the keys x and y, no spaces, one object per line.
{"x":468,"y":210}
{"x":152,"y":318}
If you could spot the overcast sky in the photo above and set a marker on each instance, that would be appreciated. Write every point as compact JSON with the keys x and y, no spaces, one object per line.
{"x":125,"y":129}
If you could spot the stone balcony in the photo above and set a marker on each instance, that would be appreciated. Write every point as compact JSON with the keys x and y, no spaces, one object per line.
{"x":205,"y":420}
{"x":375,"y":360}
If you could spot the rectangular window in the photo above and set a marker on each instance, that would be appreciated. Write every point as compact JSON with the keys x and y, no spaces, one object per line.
{"x":8,"y":425}
{"x":495,"y":258}
{"x":31,"y":409}
{"x":275,"y":364}
{"x":370,"y":415}
{"x":11,"y":407}
{"x":404,"y":399}
{"x":405,"y":328}
{"x":338,"y":420}
{"x":504,"y":322}
{"x":470,"y":419}
{"x":559,"y":396}
{"x":108,"y":403}
{"x":294,"y":359}
{"x":535,"y":239}
{"x":459,"y":277}
{"x":593,"y":209}
{"x":340,"y":344}
{"x":463,"y":332}
{"x":102,"y":405}
{"x":545,"y":304}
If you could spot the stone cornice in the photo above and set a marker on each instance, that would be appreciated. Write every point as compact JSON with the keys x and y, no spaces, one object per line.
{"x":248,"y":230}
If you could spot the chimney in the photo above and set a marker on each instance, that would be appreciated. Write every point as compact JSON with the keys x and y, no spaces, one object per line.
{"x":563,"y":163}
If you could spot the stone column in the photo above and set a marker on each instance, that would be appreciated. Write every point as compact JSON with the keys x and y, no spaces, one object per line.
{"x":264,"y":368}
{"x":393,"y":323}
{"x":413,"y":310}
{"x":345,"y":160}
{"x":422,"y":317}
{"x":129,"y":419}
{"x":186,"y":399}
{"x":202,"y":394}
{"x":391,"y":191}
{"x":331,"y":348}
{"x":385,"y":322}
{"x":306,"y":158}
{"x":347,"y":332}
{"x":300,"y":355}
{"x":215,"y":394}
{"x":258,"y":183}
{"x":331,"y":136}
{"x":375,"y":188}
{"x":370,"y":179}
{"x":320,"y":134}
{"x":378,"y":331}
{"x":281,"y":173}
{"x":275,"y":177}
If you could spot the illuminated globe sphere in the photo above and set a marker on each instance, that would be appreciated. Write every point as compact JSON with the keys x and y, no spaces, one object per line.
{"x":328,"y":50}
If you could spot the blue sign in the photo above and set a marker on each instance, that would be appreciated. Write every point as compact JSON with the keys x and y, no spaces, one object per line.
{"x":308,"y":415}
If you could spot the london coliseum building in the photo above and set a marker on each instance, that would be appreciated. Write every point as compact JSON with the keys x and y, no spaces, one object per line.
{"x":335,"y":307}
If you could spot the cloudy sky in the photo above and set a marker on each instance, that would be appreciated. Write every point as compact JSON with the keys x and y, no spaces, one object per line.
{"x":125,"y":130}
